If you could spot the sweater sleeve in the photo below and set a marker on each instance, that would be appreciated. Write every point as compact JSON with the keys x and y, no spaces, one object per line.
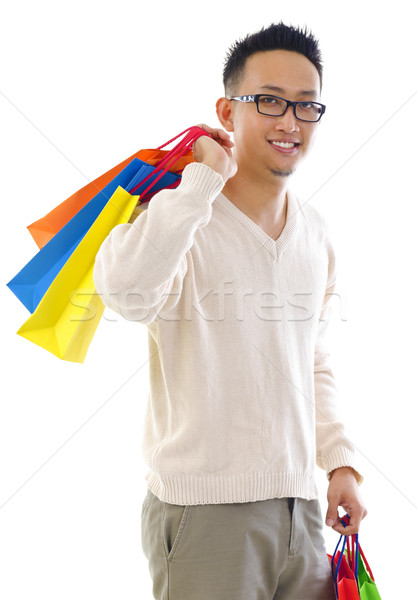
{"x":333,"y":448}
{"x":140,"y":267}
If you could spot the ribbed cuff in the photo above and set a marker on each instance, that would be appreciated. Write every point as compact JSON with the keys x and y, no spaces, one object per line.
{"x":201,"y":177}
{"x":341,"y":458}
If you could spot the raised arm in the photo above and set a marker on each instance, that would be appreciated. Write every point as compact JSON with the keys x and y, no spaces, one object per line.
{"x":140,"y":266}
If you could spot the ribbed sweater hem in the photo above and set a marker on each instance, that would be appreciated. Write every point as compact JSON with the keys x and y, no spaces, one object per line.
{"x":225,"y":489}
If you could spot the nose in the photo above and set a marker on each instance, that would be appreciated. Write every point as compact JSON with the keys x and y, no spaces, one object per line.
{"x":287,"y":122}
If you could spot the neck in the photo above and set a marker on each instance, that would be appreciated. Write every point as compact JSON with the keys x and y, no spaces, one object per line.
{"x":262,"y":201}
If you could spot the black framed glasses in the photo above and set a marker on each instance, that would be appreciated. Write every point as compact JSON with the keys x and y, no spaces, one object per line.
{"x":274,"y":106}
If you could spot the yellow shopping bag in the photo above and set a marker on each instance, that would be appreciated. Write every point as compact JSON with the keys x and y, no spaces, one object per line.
{"x":67,"y":317}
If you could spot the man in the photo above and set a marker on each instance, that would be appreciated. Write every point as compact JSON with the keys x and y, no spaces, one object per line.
{"x":234,"y":277}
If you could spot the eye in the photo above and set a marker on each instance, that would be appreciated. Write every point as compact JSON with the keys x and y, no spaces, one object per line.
{"x":269,"y":100}
{"x":310,"y":107}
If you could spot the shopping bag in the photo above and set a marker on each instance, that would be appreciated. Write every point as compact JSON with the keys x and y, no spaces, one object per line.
{"x":46,"y":227}
{"x":352,"y":575}
{"x":345,"y":582}
{"x":31,"y":283}
{"x":66,"y":318}
{"x":366,"y":583}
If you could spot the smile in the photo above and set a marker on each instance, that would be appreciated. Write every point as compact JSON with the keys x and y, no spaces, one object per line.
{"x":285,"y":147}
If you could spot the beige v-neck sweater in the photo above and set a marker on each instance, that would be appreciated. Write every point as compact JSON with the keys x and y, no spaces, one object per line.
{"x":242,"y":401}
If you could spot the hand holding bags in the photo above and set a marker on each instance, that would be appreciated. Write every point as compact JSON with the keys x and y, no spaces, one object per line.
{"x":353,"y":578}
{"x":67,"y":313}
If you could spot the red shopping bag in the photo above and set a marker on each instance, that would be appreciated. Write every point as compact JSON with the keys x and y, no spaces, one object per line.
{"x":344,"y":578}
{"x":364,"y":576}
{"x":352,"y":575}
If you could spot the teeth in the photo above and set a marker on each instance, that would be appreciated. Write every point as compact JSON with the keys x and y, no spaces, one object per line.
{"x":284,"y":144}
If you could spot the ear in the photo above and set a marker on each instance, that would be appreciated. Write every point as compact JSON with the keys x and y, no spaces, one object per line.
{"x":224,"y":110}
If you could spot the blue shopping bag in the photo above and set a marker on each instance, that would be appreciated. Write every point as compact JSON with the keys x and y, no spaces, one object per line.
{"x":31,"y":283}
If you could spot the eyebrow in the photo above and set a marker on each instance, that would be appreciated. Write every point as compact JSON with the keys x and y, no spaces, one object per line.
{"x":275,"y":88}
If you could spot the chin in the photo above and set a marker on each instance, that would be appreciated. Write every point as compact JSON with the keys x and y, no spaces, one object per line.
{"x":281,"y":173}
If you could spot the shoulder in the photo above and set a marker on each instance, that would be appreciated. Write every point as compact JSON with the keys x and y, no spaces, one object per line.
{"x":311,"y":215}
{"x":313,"y":219}
{"x":319,"y":229}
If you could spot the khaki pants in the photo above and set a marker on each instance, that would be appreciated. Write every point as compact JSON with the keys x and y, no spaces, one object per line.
{"x":266,"y":550}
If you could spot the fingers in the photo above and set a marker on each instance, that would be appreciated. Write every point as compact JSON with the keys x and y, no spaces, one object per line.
{"x":357,"y":514}
{"x":332,"y":516}
{"x":223,"y":137}
{"x":350,"y":529}
{"x":218,"y":134}
{"x":215,"y":151}
{"x":343,"y":491}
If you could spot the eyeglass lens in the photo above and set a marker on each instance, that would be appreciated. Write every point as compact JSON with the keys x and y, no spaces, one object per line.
{"x":274,"y":107}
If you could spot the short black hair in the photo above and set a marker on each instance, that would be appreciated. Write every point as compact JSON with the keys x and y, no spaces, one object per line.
{"x":277,"y":36}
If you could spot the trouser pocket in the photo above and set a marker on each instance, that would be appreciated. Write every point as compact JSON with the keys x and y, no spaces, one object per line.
{"x":174,"y":520}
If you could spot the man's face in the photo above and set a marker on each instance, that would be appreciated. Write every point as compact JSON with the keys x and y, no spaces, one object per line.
{"x":281,"y":73}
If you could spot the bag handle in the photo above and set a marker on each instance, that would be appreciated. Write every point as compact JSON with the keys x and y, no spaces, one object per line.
{"x":336,"y":572}
{"x":368,"y":568}
{"x":358,"y":547}
{"x":339,"y":562}
{"x":191,"y":135}
{"x":353,"y":554}
{"x":190,"y":131}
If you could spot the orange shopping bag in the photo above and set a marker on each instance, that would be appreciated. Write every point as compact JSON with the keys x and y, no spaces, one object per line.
{"x":44,"y":229}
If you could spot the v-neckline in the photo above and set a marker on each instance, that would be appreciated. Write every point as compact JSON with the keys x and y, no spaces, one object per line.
{"x":275,"y":247}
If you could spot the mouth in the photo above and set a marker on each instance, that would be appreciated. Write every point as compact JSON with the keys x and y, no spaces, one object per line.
{"x":284,"y":147}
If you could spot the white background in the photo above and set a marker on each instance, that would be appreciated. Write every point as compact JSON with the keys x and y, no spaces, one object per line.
{"x":84,"y":85}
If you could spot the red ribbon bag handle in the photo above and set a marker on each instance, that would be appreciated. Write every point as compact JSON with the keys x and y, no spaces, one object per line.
{"x":191,"y":135}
